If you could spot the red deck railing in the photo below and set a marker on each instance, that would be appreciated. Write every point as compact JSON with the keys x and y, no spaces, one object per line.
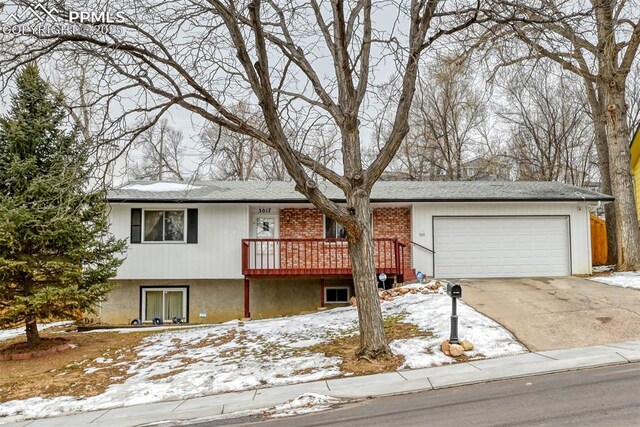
{"x":314,"y":257}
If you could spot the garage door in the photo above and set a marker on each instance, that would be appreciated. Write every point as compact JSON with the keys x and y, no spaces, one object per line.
{"x":501,"y":246}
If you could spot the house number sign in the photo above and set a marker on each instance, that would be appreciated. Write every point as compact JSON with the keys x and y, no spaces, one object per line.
{"x":264,"y":210}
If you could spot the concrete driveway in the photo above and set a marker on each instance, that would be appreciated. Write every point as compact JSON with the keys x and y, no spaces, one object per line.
{"x":559,"y":312}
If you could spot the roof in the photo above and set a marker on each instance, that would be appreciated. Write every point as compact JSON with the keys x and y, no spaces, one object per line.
{"x":383,"y":191}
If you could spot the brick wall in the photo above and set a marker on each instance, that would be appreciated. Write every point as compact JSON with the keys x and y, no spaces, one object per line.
{"x":301,"y":223}
{"x":308,"y":223}
{"x":395,"y":223}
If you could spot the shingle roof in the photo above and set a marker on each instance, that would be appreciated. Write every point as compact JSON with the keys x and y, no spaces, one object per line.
{"x":383,"y":191}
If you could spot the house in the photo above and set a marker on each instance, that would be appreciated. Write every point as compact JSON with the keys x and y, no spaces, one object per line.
{"x":214,"y":251}
{"x":487,"y":168}
{"x":635,"y":167}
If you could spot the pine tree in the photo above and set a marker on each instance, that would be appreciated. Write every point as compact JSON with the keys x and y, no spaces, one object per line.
{"x":56,"y":252}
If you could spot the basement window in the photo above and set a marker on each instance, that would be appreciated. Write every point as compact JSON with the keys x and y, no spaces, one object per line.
{"x":163,"y":303}
{"x":337,"y":294}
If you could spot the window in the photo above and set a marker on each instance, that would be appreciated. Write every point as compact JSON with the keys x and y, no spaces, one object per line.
{"x":265,"y":227}
{"x":333,"y":229}
{"x":337,"y":294}
{"x":165,"y":303}
{"x":164,"y":226}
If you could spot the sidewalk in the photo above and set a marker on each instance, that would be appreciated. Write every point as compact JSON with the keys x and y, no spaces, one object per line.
{"x":522,"y":365}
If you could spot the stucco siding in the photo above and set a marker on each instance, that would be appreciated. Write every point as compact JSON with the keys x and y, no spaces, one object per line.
{"x":578,"y":213}
{"x":221,"y":300}
{"x":216,"y":255}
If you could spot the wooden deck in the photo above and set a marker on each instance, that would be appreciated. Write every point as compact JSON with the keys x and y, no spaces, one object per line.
{"x":314,"y":257}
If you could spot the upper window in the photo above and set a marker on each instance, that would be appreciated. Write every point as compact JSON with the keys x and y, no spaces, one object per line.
{"x":164,"y":226}
{"x":333,"y":229}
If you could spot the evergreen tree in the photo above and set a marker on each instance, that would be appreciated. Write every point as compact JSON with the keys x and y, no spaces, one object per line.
{"x":56,"y":252}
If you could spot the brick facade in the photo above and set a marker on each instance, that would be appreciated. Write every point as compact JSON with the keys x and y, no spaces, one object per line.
{"x":308,"y":223}
{"x":395,"y":223}
{"x":301,"y":223}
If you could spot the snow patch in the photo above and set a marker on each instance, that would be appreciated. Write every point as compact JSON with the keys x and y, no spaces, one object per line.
{"x":185,"y":362}
{"x":432,"y":313}
{"x":603,"y":268}
{"x":623,"y":279}
{"x":161,"y":186}
{"x":304,"y":404}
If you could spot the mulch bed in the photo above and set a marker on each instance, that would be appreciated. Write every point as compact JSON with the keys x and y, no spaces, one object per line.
{"x":21,"y":351}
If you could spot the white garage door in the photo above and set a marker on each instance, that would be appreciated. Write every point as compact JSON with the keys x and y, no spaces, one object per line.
{"x":501,"y":246}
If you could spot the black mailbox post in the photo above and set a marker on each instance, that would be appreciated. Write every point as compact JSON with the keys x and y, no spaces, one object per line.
{"x":454,"y":290}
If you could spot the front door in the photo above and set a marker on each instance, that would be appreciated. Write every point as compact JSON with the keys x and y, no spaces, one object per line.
{"x":265,"y":228}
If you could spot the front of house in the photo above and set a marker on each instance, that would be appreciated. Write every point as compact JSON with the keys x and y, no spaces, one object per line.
{"x":216,"y":251}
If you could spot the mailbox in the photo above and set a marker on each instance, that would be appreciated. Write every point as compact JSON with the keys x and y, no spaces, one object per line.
{"x":454,"y":290}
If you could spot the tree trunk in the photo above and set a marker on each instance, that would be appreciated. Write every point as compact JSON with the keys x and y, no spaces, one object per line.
{"x":600,"y":125}
{"x":373,"y":341}
{"x":621,"y":180}
{"x":31,"y":328}
{"x":610,"y":223}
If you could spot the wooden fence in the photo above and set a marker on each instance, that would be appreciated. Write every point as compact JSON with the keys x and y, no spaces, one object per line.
{"x":598,"y":241}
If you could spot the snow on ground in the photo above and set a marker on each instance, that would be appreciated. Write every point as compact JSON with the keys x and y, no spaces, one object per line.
{"x":434,"y":313}
{"x":603,"y":268}
{"x":238,"y":356}
{"x":161,"y":186}
{"x":304,"y":404}
{"x":624,"y":279}
{"x":6,"y":334}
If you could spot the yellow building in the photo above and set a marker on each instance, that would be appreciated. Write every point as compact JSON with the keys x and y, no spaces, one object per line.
{"x":635,"y":167}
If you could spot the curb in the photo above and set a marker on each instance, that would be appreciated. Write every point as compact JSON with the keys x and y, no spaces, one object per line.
{"x":526,"y":375}
{"x":351,"y":389}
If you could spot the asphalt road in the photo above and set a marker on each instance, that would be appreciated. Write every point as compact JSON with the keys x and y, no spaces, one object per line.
{"x":596,"y":397}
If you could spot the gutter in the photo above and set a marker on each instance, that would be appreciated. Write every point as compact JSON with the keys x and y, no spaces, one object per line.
{"x":606,"y":199}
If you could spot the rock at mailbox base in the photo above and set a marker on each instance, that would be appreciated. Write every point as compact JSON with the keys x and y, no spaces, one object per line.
{"x":467,"y":345}
{"x":445,"y":346}
{"x":456,"y":350}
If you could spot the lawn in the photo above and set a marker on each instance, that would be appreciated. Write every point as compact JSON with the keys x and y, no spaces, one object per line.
{"x":117,"y":368}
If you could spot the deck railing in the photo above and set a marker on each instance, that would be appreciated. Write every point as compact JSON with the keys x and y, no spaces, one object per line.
{"x":314,"y":257}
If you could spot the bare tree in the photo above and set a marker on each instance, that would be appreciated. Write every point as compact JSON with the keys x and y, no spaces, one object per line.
{"x":75,"y":87}
{"x":551,"y":136}
{"x":598,"y":41}
{"x":445,"y":120}
{"x":309,"y":64}
{"x":228,"y":155}
{"x":160,"y":154}
{"x":633,"y":99}
{"x":492,"y":161}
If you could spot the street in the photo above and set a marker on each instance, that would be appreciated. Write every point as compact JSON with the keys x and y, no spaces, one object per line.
{"x":604,"y":396}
